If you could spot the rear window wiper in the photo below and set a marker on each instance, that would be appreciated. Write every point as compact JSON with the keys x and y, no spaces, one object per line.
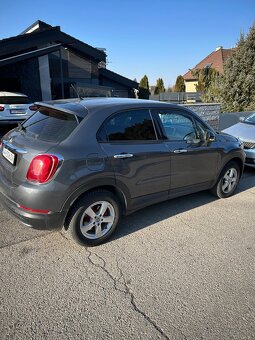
{"x":21,"y":127}
{"x":38,"y":121}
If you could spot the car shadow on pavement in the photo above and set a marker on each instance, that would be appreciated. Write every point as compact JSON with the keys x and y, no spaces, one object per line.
{"x":164,"y":210}
{"x":247,"y":181}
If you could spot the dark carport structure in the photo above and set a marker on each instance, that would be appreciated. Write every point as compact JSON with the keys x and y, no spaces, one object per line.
{"x":46,"y":63}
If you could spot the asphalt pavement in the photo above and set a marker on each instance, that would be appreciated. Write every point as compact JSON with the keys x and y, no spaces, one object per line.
{"x":182,"y":269}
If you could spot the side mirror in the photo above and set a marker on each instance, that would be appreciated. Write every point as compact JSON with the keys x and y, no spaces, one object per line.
{"x":209,"y":136}
{"x":241,"y":119}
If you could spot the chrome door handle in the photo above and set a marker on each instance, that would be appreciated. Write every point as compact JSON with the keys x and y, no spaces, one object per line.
{"x":180,"y":151}
{"x":124,"y":155}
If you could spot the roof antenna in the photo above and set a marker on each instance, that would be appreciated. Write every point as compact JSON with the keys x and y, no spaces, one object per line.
{"x":75,"y":91}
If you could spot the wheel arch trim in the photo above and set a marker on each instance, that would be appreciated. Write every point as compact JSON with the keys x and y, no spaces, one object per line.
{"x":122,"y":193}
{"x":231,"y":158}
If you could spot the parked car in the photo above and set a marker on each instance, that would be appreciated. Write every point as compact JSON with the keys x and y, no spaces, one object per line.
{"x":245,"y":131}
{"x":82,"y":164}
{"x":15,"y":107}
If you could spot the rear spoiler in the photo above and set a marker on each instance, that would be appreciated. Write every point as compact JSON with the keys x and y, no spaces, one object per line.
{"x":70,"y":106}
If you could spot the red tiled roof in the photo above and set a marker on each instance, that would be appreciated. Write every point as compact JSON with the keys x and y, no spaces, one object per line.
{"x":216,"y":59}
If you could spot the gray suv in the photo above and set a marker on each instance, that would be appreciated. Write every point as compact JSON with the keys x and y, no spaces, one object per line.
{"x":81,"y":164}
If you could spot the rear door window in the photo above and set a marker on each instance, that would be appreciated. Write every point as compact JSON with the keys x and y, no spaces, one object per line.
{"x":128,"y":125}
{"x":14,"y":100}
{"x":50,"y":125}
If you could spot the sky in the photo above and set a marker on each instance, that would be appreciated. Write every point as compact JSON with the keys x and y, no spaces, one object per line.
{"x":159,"y":38}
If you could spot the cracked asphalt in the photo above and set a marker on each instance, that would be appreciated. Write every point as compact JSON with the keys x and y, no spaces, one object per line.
{"x":182,"y":269}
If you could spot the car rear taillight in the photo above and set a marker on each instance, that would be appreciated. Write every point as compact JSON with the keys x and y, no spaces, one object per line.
{"x":33,"y":107}
{"x":1,"y":108}
{"x":42,"y":168}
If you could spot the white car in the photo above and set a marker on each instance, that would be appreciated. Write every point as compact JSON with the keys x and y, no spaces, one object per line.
{"x":245,"y":131}
{"x":15,"y":107}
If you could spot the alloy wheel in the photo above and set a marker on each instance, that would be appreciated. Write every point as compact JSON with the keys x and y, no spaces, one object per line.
{"x":229,"y":180}
{"x":97,"y":220}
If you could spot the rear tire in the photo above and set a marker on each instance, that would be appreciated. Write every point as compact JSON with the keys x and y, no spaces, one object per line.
{"x":227,"y":181}
{"x":93,"y":218}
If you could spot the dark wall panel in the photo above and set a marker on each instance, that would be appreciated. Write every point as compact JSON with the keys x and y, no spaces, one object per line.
{"x":22,"y":77}
{"x":119,"y":90}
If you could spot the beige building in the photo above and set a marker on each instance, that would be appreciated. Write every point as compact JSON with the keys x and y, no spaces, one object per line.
{"x":215,"y":60}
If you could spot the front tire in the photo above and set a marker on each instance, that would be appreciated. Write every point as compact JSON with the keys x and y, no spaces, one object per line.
{"x":93,"y":218}
{"x":227,"y":181}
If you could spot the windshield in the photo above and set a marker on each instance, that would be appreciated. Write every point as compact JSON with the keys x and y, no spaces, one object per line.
{"x":250,"y":119}
{"x":50,"y":125}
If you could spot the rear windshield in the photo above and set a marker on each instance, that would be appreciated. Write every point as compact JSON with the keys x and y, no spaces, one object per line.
{"x":50,"y":125}
{"x":14,"y":100}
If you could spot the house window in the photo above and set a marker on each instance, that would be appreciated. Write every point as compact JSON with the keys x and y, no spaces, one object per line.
{"x":78,"y":67}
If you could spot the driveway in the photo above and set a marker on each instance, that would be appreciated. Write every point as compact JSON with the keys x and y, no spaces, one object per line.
{"x":183,"y":269}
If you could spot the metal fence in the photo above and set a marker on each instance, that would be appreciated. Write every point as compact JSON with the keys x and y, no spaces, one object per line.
{"x":178,"y":97}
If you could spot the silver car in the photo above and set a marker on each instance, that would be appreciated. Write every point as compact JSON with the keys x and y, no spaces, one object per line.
{"x":15,"y":107}
{"x":245,"y":131}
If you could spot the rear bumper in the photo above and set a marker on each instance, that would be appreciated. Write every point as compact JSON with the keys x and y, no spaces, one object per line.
{"x":51,"y":221}
{"x":250,"y":163}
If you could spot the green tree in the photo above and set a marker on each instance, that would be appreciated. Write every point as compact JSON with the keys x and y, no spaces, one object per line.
{"x":179,"y":84}
{"x":238,"y":86}
{"x":209,"y":83}
{"x":214,"y":89}
{"x":160,"y":87}
{"x":144,"y":88}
